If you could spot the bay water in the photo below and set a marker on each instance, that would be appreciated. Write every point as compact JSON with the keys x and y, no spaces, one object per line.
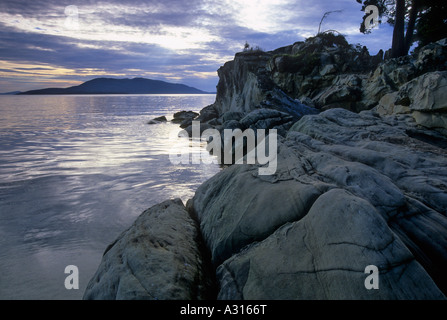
{"x":76,"y":171}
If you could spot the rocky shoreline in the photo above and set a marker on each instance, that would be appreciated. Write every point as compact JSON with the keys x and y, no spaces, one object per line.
{"x":361,"y":180}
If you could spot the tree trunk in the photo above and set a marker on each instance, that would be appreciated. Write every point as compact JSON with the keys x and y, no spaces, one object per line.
{"x":411,"y":24}
{"x":398,"y":46}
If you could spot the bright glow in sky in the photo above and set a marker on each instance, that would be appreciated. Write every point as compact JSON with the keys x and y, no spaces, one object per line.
{"x":56,"y":42}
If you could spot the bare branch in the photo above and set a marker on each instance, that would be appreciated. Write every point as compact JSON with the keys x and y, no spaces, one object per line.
{"x":326,"y":14}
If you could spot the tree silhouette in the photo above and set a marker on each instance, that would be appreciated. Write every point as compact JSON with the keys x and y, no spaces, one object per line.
{"x":413,"y":20}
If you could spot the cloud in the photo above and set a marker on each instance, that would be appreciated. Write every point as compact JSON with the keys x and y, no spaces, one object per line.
{"x":170,"y":39}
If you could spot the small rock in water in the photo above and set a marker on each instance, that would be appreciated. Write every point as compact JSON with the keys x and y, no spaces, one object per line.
{"x":157,"y":120}
{"x":181,"y":116}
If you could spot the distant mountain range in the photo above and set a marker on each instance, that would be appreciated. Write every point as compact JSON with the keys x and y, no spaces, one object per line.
{"x":121,"y":86}
{"x":11,"y":93}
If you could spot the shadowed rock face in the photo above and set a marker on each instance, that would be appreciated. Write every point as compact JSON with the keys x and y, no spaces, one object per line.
{"x":351,"y":190}
{"x":157,"y":258}
{"x":326,"y":73}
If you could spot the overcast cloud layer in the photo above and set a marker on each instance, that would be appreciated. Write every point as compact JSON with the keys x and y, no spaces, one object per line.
{"x":63,"y":43}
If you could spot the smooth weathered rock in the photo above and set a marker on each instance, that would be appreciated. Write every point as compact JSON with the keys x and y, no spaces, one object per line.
{"x":424,"y":97}
{"x":426,"y":93}
{"x":350,"y":190}
{"x":328,"y":69}
{"x":236,"y":208}
{"x":203,"y":127}
{"x":232,"y":115}
{"x":231,"y":125}
{"x":208,"y":113}
{"x":324,"y":256}
{"x":265,"y":119}
{"x":432,"y":120}
{"x":157,"y":120}
{"x":157,"y":258}
{"x":387,"y":105}
{"x":181,"y":116}
{"x":280,"y":101}
{"x":184,"y":118}
{"x":377,"y":162}
{"x":344,"y":92}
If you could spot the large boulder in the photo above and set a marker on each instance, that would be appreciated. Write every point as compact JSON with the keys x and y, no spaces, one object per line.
{"x":324,"y":256}
{"x":390,"y":75}
{"x":426,"y":93}
{"x":424,"y":97}
{"x":347,"y":193}
{"x":236,"y":208}
{"x":349,"y":190}
{"x":343,"y":93}
{"x":184,"y":118}
{"x":157,"y":120}
{"x":208,"y":113}
{"x":158,"y":258}
{"x":267,"y":119}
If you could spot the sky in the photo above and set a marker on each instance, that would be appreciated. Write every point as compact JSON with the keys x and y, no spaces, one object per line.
{"x":61,"y":43}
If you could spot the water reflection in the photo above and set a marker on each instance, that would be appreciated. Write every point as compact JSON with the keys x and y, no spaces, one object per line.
{"x":75,"y":171}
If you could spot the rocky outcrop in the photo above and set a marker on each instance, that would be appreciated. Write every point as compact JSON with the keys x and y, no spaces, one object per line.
{"x":348,"y":193}
{"x":158,"y":258}
{"x":245,"y":85}
{"x":318,"y":74}
{"x":425,"y":98}
{"x":316,"y":258}
{"x":346,"y":76}
{"x":361,"y":180}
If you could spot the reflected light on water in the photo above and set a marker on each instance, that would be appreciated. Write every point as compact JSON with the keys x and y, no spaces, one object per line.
{"x":75,"y":171}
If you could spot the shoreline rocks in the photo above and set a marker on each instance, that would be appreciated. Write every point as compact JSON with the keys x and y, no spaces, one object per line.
{"x":184,"y":118}
{"x":361,"y":180}
{"x":371,"y":162}
{"x":158,"y":120}
{"x":424,"y":97}
{"x":316,"y":258}
{"x":158,"y":258}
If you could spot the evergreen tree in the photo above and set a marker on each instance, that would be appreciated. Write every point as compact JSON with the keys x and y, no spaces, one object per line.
{"x":421,"y":20}
{"x":432,"y":24}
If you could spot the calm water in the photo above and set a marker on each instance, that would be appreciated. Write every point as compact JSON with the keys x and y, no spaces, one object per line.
{"x":75,"y":171}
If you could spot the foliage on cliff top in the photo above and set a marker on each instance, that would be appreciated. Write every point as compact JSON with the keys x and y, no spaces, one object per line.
{"x":329,"y":39}
{"x":308,"y":56}
{"x":253,"y":50}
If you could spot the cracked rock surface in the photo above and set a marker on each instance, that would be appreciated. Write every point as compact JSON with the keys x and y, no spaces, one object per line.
{"x":350,"y":190}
